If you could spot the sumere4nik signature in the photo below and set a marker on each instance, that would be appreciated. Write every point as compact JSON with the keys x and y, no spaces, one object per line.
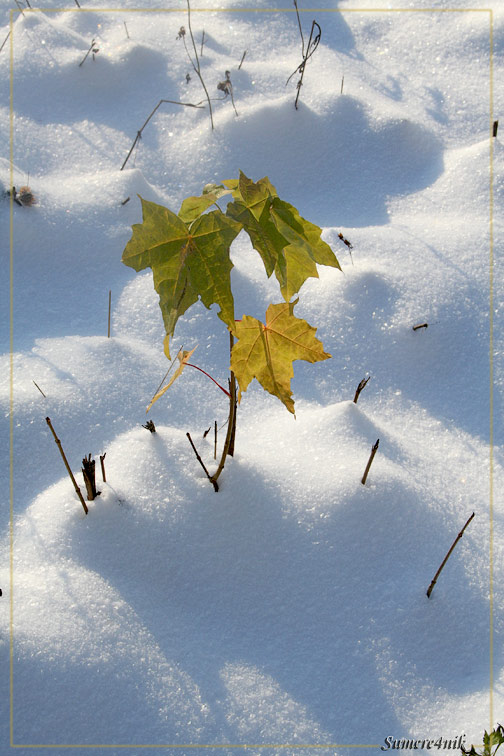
{"x":430,"y":743}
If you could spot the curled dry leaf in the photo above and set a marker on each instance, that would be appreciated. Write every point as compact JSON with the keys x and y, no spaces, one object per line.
{"x":182,"y":357}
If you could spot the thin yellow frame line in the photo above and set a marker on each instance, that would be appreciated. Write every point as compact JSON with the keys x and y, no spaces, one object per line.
{"x":11,"y":378}
{"x":11,"y":345}
{"x":491,"y":428}
{"x":255,"y":10}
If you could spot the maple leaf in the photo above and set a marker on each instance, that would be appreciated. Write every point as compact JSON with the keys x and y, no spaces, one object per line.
{"x":289,"y":245}
{"x":192,"y":207}
{"x":267,"y":351}
{"x":303,"y":250}
{"x":188,"y":261}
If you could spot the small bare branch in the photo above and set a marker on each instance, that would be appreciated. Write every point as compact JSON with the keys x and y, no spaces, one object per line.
{"x":434,"y":579}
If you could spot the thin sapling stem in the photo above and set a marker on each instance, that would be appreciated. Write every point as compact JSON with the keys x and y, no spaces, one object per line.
{"x":374,"y":449}
{"x":434,"y":579}
{"x":202,"y":43}
{"x":215,"y":440}
{"x":212,"y":481}
{"x":242,"y":59}
{"x":58,"y":443}
{"x":92,"y":49}
{"x":5,"y":40}
{"x":230,"y":433}
{"x":195,"y":63}
{"x":495,"y":128}
{"x":36,"y":384}
{"x":127,"y":32}
{"x":139,"y":132}
{"x":313,"y":43}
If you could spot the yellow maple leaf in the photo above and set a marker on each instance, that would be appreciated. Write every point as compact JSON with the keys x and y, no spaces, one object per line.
{"x":266,"y":351}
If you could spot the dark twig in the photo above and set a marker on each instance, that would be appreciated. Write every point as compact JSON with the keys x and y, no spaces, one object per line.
{"x":58,"y":442}
{"x":420,"y":325}
{"x":19,"y":6}
{"x":434,"y":579}
{"x":139,"y":132}
{"x":109,"y":308}
{"x":242,"y":59}
{"x":127,"y":32}
{"x":212,"y":481}
{"x":202,"y":42}
{"x":215,"y":440}
{"x":300,"y":28}
{"x":93,"y":49}
{"x":36,"y":384}
{"x":77,"y":3}
{"x":342,"y":82}
{"x":495,"y":128}
{"x":102,"y":463}
{"x":361,"y":385}
{"x":226,"y":87}
{"x":313,"y":43}
{"x":370,"y":461}
{"x":5,"y":40}
{"x":149,"y":425}
{"x":195,"y":63}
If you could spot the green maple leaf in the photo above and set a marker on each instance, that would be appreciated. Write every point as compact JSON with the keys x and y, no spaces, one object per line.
{"x":304,"y":249}
{"x":289,"y":245}
{"x":267,"y":351}
{"x":192,"y":207}
{"x":188,"y":261}
{"x":251,"y":209}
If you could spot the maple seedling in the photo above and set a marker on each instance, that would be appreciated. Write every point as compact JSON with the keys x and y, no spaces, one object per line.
{"x":189,"y":254}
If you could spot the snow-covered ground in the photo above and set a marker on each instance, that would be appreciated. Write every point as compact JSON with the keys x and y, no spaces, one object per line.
{"x":289,"y":610}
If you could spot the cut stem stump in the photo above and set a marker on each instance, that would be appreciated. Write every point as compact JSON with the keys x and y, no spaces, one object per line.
{"x":58,"y":442}
{"x":102,"y":463}
{"x":88,"y":473}
{"x":434,"y":579}
{"x":361,"y":385}
{"x":374,"y":449}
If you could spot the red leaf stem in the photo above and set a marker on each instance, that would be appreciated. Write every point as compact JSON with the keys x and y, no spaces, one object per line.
{"x":208,"y":376}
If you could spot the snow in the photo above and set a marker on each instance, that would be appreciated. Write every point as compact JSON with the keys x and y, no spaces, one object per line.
{"x":286,"y":612}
